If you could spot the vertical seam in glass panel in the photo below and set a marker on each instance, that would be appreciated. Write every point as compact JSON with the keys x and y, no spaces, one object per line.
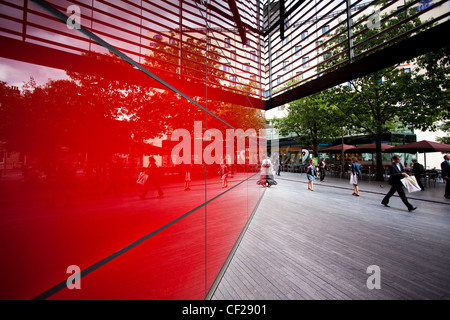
{"x":226,"y":58}
{"x":205,"y":166}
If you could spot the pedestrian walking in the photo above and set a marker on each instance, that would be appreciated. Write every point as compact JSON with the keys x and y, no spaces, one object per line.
{"x":418,"y":171}
{"x":354,"y":176}
{"x":153,"y":179}
{"x":279,"y":163}
{"x":187,"y":176}
{"x":397,"y":173}
{"x":311,"y":174}
{"x":445,"y":166}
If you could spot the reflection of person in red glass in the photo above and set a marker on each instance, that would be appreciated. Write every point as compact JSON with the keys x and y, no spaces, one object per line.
{"x":153,"y":178}
{"x":61,"y":181}
{"x":187,"y":176}
{"x":224,"y":173}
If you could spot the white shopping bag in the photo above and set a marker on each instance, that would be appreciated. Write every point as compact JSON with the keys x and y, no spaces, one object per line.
{"x":410,"y":183}
{"x":142,"y":178}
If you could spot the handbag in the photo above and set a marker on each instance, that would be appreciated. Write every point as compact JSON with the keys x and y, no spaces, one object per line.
{"x":410,"y":183}
{"x":142,"y":178}
{"x":353,"y":179}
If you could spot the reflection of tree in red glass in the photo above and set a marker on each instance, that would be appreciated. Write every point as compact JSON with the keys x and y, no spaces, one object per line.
{"x":101,"y":116}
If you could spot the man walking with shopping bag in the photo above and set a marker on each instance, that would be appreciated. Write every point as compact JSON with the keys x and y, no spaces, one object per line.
{"x":397,"y":173}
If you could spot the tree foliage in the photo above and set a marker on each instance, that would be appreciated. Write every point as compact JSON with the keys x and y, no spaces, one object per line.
{"x":313,"y":119}
{"x":377,"y":102}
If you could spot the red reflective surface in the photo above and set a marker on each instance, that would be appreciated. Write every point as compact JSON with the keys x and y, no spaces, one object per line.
{"x":79,"y":126}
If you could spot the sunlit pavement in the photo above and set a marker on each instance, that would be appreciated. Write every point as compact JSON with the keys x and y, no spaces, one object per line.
{"x":325,"y":244}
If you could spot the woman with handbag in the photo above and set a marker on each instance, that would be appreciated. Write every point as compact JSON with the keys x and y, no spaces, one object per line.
{"x":311,"y":174}
{"x":354,"y":177}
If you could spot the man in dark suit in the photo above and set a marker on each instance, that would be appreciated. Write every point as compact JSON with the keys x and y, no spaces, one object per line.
{"x":418,"y":171}
{"x":397,"y":173}
{"x":445,"y":166}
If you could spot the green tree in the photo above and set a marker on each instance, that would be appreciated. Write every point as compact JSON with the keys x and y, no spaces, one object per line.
{"x":313,"y":119}
{"x":374,"y":103}
{"x":446,"y":128}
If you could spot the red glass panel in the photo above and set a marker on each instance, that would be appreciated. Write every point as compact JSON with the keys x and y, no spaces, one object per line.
{"x":93,"y":118}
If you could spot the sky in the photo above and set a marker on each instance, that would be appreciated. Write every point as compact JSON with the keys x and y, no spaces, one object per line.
{"x":15,"y":73}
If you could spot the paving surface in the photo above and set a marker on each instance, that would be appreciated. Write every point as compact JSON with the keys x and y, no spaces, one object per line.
{"x":319,"y":245}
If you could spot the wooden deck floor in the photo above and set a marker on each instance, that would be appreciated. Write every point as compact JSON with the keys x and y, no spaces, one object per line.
{"x":318,"y":245}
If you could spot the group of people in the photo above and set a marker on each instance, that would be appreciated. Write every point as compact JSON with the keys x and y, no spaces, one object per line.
{"x":396,"y":170}
{"x":312,"y":171}
{"x":397,"y":173}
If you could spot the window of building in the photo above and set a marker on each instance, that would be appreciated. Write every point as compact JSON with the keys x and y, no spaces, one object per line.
{"x":319,"y":45}
{"x":286,"y":65}
{"x":298,"y":50}
{"x":227,"y":42}
{"x":286,"y":40}
{"x":325,"y":29}
{"x":305,"y":61}
{"x":253,"y":55}
{"x":233,"y":55}
{"x":407,"y":70}
{"x":304,"y":34}
{"x":279,"y":53}
{"x":247,"y":44}
{"x":246,"y":67}
{"x":279,"y":79}
{"x":299,"y":75}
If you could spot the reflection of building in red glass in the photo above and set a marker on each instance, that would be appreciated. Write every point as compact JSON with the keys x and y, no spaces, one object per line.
{"x":95,"y":169}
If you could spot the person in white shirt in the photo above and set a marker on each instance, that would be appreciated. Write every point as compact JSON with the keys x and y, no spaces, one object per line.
{"x":397,"y":173}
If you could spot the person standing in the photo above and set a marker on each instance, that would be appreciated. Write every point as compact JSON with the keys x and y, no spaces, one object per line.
{"x":224,"y":173}
{"x":61,"y":183}
{"x":418,"y":171}
{"x":356,"y":173}
{"x":397,"y":173}
{"x":445,"y":166}
{"x":280,"y":163}
{"x":187,"y":176}
{"x":322,"y":169}
{"x":311,"y":174}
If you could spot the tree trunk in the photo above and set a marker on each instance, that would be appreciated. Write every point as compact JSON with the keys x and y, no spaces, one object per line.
{"x":379,"y":162}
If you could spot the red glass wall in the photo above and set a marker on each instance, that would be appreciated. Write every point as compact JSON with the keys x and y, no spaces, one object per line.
{"x":95,"y":94}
